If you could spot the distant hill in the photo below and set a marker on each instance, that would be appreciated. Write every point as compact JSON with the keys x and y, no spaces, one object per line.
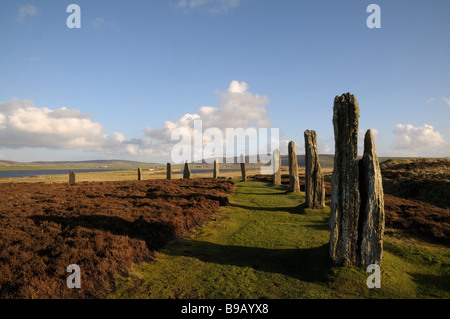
{"x":98,"y":162}
{"x":89,"y":164}
{"x":326,"y":160}
{"x":5,"y":163}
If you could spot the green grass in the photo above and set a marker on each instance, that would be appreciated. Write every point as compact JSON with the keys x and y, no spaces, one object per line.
{"x":266,"y":244}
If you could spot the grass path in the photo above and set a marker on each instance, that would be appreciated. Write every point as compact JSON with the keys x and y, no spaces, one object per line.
{"x":265,"y":244}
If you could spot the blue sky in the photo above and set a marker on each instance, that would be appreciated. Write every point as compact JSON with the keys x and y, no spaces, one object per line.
{"x":116,"y":87}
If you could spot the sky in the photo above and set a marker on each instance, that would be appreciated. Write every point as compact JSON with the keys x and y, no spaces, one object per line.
{"x":118,"y":86}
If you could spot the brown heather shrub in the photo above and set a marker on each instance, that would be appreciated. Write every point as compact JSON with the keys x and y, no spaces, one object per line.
{"x":104,"y":227}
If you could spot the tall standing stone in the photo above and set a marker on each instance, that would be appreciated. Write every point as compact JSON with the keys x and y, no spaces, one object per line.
{"x":72,"y":178}
{"x":371,"y":215}
{"x":139,"y":174}
{"x":169,"y":171}
{"x":276,"y":167}
{"x":216,"y":169}
{"x":345,"y":200}
{"x":186,"y":171}
{"x":314,"y":182}
{"x":243,"y":168}
{"x":294,"y":183}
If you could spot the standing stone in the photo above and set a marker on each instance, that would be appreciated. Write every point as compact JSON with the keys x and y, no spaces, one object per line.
{"x":169,"y":171}
{"x":314,"y":182}
{"x":345,"y":201}
{"x":216,"y":169}
{"x":139,"y":174}
{"x":243,"y":168}
{"x":72,"y":177}
{"x":371,"y":215}
{"x":187,"y":171}
{"x":276,"y":167}
{"x":294,"y":183}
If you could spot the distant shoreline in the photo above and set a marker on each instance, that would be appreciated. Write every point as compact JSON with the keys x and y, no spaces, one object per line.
{"x":41,"y":172}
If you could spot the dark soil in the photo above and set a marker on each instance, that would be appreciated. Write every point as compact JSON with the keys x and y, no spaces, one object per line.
{"x":103,"y":227}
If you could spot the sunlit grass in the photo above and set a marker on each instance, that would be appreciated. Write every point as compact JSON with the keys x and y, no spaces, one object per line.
{"x":266,"y":244}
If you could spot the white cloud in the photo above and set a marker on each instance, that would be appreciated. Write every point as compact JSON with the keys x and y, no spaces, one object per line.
{"x":22,"y":124}
{"x":446,"y":100}
{"x":430,"y":100}
{"x":413,"y":138}
{"x":101,"y":22}
{"x":237,"y":108}
{"x":323,"y":147}
{"x":211,"y":6}
{"x":98,"y":22}
{"x":26,"y":11}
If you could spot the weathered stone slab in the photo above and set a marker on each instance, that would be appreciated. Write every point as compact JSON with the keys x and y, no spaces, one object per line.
{"x":186,"y":171}
{"x":276,"y":167}
{"x":169,"y":171}
{"x":216,"y":169}
{"x":243,"y":168}
{"x":294,"y":182}
{"x":371,"y":215}
{"x":345,"y":198}
{"x":314,"y":182}
{"x":139,"y":174}
{"x":72,"y":177}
